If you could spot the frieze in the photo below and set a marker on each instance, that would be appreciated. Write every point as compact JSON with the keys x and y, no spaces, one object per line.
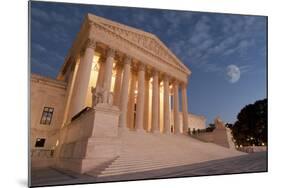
{"x":143,"y":43}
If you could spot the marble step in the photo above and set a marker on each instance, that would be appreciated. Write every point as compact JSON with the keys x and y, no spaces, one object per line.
{"x":137,"y":162}
{"x":153,"y":154}
{"x":127,"y":160}
{"x":150,"y":159}
{"x":124,"y":170}
{"x":140,"y":163}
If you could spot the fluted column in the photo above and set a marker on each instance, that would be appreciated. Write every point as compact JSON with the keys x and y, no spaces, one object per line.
{"x":146,"y":104}
{"x":140,"y":97}
{"x":184,"y":108}
{"x":83,"y":77}
{"x":131,"y":103}
{"x":100,"y":74}
{"x":176,"y":108}
{"x":124,"y":92}
{"x":155,"y":102}
{"x":117,"y":85}
{"x":108,"y":74}
{"x":166,"y":127}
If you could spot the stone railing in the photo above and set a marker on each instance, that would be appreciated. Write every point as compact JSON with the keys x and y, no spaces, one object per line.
{"x":42,"y":153}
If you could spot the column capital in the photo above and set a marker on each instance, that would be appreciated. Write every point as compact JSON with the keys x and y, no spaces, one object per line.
{"x":176,"y":82}
{"x":110,"y":52}
{"x":118,"y":66}
{"x":141,"y":67}
{"x":166,"y":77}
{"x":127,"y":60}
{"x":155,"y":72}
{"x":183,"y":84}
{"x":91,"y":43}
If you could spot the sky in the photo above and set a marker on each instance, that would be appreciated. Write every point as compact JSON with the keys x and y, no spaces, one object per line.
{"x":226,"y":53}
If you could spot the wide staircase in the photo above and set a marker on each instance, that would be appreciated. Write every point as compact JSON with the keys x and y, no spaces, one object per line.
{"x":142,"y":152}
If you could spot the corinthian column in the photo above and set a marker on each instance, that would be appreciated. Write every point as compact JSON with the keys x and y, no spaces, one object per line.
{"x":131,"y":103}
{"x":100,"y":74}
{"x":140,"y":98}
{"x":117,"y":85}
{"x":155,"y":102}
{"x":166,"y":105}
{"x":176,"y":109}
{"x":124,"y":93}
{"x":83,"y":77}
{"x":108,"y":74}
{"x":146,"y":104}
{"x":184,"y":108}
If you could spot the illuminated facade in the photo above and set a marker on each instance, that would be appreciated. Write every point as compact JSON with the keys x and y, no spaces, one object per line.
{"x":115,"y":79}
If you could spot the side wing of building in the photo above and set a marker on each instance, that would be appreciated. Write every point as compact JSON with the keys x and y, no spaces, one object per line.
{"x":47,"y":98}
{"x":196,"y":122}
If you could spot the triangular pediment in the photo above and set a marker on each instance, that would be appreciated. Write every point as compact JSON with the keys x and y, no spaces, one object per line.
{"x":142,"y":39}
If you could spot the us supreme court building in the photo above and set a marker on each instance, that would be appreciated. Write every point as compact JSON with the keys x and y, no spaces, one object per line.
{"x":116,"y":81}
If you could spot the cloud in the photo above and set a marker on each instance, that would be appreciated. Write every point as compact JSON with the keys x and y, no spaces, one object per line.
{"x":41,"y":67}
{"x":175,"y":20}
{"x":211,"y":67}
{"x":36,"y":24}
{"x":205,"y":41}
{"x":245,"y":69}
{"x":39,"y":47}
{"x":55,"y":16}
{"x":39,"y":14}
{"x":217,"y":37}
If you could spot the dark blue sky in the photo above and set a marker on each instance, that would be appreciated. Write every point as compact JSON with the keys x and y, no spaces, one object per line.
{"x":226,"y":53}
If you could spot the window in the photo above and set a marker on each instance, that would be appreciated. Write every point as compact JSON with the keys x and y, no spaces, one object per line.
{"x":47,"y":115}
{"x":40,"y":142}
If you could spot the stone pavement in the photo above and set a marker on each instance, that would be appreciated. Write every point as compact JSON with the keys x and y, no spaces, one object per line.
{"x":256,"y":162}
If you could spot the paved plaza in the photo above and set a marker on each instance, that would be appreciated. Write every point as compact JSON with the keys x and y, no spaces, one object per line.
{"x":256,"y":162}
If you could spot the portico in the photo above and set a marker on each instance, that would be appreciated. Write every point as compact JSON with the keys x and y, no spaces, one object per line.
{"x":136,"y":77}
{"x":121,"y":75}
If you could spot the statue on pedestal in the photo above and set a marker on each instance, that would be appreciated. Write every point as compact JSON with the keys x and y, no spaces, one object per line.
{"x":101,"y":96}
{"x":98,"y":95}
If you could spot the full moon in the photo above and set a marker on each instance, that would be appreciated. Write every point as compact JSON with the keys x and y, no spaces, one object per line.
{"x":232,"y":73}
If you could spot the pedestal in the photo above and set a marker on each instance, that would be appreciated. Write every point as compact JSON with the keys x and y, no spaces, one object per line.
{"x":92,"y":140}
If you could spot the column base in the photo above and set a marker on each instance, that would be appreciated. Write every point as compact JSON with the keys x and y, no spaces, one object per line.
{"x":141,"y":131}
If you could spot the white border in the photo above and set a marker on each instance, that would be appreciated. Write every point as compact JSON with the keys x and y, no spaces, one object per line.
{"x":14,"y":91}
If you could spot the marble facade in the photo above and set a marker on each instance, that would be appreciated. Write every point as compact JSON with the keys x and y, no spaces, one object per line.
{"x":115,"y":78}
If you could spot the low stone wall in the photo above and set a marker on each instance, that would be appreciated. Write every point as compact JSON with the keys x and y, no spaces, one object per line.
{"x":42,"y":158}
{"x":253,"y":149}
{"x":219,"y":136}
{"x":90,"y":140}
{"x":205,"y":137}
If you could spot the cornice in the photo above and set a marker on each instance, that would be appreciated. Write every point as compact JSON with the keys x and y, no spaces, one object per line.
{"x":103,"y":28}
{"x":48,"y":81}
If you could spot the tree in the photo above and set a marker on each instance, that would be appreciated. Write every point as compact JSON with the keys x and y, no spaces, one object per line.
{"x":229,"y":125}
{"x":251,"y":125}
